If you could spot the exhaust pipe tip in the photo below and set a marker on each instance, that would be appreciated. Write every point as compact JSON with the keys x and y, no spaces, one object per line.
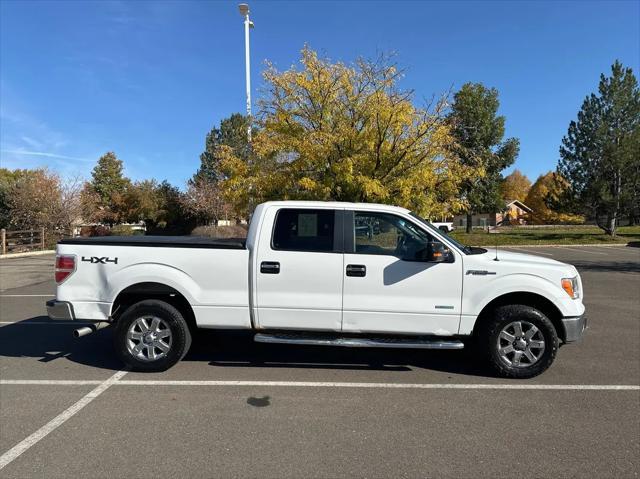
{"x":92,"y":328}
{"x":80,"y":332}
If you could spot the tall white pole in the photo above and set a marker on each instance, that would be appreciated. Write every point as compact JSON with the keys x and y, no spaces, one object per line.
{"x":247,"y":25}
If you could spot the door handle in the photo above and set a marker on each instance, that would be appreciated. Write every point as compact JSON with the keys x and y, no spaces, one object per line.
{"x":270,"y":267}
{"x":358,"y":270}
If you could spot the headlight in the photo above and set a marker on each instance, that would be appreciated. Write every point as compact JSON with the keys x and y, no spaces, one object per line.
{"x":571,"y":286}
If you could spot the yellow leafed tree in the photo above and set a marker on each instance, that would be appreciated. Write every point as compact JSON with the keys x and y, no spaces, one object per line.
{"x":515,"y":186}
{"x":548,"y":187}
{"x":331,"y":131}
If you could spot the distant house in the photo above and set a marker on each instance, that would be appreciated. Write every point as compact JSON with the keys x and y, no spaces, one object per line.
{"x":515,"y":213}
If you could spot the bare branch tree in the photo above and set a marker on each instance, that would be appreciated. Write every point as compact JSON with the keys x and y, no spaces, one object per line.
{"x":204,"y":201}
{"x":70,"y":204}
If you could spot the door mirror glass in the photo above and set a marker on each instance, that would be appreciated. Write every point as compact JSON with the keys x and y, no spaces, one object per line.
{"x":438,"y":253}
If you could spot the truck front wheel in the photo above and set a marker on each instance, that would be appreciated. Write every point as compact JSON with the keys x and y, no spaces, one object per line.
{"x":519,"y":341}
{"x":151,"y":336}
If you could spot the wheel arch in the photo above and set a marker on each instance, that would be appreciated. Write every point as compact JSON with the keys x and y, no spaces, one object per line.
{"x":153,"y":290}
{"x":525,"y":298}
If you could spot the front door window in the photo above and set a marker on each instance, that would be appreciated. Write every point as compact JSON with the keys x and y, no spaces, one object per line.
{"x":391,"y":235}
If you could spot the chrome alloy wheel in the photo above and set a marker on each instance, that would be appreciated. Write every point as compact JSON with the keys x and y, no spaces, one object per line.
{"x":520,"y":344}
{"x":149,"y":338}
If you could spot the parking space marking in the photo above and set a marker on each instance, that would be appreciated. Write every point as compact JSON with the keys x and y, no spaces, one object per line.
{"x":27,"y":295}
{"x":584,"y":250}
{"x":612,"y":387}
{"x":48,"y":323}
{"x":517,"y":250}
{"x":57,"y":421}
{"x":50,"y":382}
{"x":135,"y":382}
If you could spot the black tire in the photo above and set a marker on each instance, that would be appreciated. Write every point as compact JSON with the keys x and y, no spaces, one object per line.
{"x":172,"y":318}
{"x":489,"y":344}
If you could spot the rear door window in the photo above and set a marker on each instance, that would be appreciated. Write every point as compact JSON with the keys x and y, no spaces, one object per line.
{"x":304,"y":230}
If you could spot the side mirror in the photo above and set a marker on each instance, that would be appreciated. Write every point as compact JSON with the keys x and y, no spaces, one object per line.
{"x":439,"y":253}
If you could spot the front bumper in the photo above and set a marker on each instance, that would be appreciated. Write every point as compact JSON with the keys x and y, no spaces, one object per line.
{"x":574,"y":327}
{"x":60,"y":310}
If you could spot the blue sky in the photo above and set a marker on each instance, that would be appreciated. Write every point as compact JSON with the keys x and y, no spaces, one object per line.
{"x":148,"y":79}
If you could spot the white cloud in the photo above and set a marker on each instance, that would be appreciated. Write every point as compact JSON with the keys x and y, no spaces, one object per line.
{"x":31,"y":142}
{"x":45,"y":154}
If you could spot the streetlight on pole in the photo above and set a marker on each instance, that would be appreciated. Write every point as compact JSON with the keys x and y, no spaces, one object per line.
{"x":244,"y":11}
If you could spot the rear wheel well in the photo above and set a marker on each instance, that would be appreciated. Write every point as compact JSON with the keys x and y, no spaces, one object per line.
{"x":141,"y":291}
{"x":533,"y":300}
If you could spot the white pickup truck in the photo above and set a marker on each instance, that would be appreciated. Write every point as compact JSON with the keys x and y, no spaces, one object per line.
{"x":321,"y":273}
{"x":445,"y":227}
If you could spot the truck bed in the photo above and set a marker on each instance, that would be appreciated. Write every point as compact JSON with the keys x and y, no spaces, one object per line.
{"x":160,"y":241}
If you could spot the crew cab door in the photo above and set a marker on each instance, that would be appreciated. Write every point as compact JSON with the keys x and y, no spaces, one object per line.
{"x":392,"y":283}
{"x":299,"y":269}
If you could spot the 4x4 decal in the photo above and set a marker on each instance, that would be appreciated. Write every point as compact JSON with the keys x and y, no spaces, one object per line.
{"x":102,"y":260}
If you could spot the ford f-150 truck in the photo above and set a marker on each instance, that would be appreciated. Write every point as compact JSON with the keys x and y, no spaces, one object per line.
{"x":321,"y":273}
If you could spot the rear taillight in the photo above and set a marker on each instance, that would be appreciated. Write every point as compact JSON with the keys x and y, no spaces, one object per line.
{"x":65,"y":266}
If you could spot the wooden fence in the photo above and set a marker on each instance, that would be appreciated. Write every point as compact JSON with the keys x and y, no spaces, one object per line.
{"x":21,"y":241}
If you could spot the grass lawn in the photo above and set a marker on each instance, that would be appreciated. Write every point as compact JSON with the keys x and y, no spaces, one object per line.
{"x":541,"y":236}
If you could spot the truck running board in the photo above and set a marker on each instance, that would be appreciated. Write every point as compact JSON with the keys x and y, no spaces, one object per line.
{"x":356,"y":342}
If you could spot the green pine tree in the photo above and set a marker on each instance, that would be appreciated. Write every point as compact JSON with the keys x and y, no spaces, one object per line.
{"x":107,"y":177}
{"x":600,"y":155}
{"x":232,"y":133}
{"x":479,"y":131}
{"x":105,"y":194}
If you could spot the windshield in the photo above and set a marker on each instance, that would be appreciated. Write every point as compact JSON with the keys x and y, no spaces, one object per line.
{"x":465,"y":249}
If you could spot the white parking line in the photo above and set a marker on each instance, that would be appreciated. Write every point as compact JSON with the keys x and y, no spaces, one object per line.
{"x":134,"y":382}
{"x":57,"y":323}
{"x":50,"y":382}
{"x":583,"y":251}
{"x":517,"y":250}
{"x":57,"y":421}
{"x":27,"y":295}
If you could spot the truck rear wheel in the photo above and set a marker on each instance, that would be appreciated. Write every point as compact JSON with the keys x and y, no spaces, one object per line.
{"x":520,"y":341}
{"x":151,"y":336}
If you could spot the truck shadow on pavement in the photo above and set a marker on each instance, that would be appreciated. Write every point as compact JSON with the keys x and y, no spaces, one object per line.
{"x":608,"y":266}
{"x":237,"y":350}
{"x":54,"y":344}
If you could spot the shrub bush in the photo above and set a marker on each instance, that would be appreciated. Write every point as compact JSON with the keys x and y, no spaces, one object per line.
{"x":95,"y":230}
{"x":232,"y":231}
{"x":126,"y":230}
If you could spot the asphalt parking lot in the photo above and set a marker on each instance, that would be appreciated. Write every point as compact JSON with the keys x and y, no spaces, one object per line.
{"x":233,"y":408}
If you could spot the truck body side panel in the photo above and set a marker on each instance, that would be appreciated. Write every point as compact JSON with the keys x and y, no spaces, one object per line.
{"x":215,"y":282}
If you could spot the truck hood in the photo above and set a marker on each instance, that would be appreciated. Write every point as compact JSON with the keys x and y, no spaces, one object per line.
{"x":522,"y":262}
{"x":521,"y":257}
